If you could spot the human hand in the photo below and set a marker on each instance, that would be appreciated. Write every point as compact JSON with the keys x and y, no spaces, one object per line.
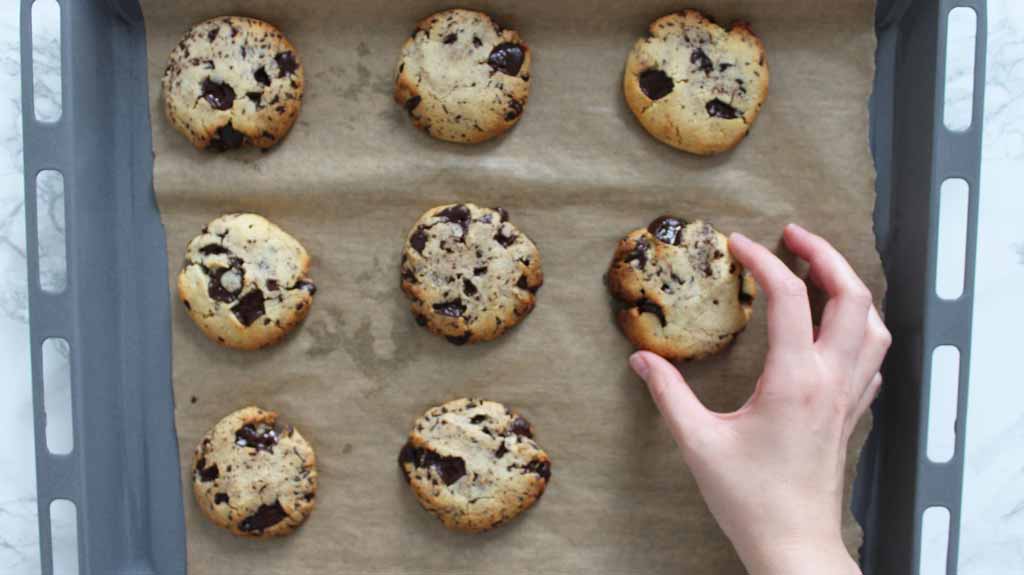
{"x":772,"y":472}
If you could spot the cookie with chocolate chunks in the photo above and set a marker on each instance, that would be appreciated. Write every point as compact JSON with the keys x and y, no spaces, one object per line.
{"x":245,"y":281}
{"x":474,"y":464}
{"x":463,"y":78}
{"x":470,"y":273}
{"x":254,"y":477}
{"x":233,"y":81}
{"x":682,"y":294}
{"x":695,"y":85}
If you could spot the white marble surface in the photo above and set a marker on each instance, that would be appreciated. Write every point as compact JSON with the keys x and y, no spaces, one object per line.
{"x":992,"y":532}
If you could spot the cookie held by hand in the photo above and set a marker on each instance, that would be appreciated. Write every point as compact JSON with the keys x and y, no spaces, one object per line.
{"x":694,"y":85}
{"x":683,"y":295}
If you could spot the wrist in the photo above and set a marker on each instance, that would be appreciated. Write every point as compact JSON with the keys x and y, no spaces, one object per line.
{"x":811,"y":557}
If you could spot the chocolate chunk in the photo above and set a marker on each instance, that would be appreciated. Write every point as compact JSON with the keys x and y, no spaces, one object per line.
{"x":261,"y":76}
{"x":477,"y":42}
{"x":219,"y":96}
{"x":273,"y":285}
{"x":648,"y":306}
{"x":412,"y":102}
{"x":254,"y":97}
{"x":451,"y":469}
{"x":655,"y":84}
{"x":524,"y":283}
{"x":503,"y":213}
{"x":506,"y":58}
{"x":206,"y":474}
{"x":521,"y":427}
{"x":501,"y":451}
{"x":227,"y":138}
{"x":639,"y":253}
{"x":265,"y":516}
{"x":504,"y":240}
{"x":216,"y":290}
{"x":453,"y":308}
{"x":221,"y":498}
{"x":719,"y":109}
{"x":260,"y":436}
{"x":479,"y":271}
{"x":668,"y":229}
{"x":515,"y":109}
{"x":702,"y":61}
{"x":468,"y":288}
{"x":212,"y":34}
{"x":214,"y":250}
{"x":451,"y":38}
{"x":542,"y":468}
{"x":724,"y":66}
{"x":458,"y":339}
{"x":478,"y":419}
{"x":457,"y":214}
{"x":418,"y":241}
{"x":421,"y":320}
{"x":286,"y":64}
{"x":306,"y":285}
{"x":250,"y":307}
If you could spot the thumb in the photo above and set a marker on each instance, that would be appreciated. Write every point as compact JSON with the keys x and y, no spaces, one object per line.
{"x":685,"y":414}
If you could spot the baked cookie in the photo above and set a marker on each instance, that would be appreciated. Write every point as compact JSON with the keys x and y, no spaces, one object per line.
{"x":470,"y":273}
{"x":233,"y":81}
{"x":244,"y":282}
{"x":694,"y":85}
{"x":683,"y":294}
{"x":252,"y":477}
{"x":474,"y":464}
{"x":463,"y":78}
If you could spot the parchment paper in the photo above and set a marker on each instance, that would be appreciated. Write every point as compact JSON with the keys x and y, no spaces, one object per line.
{"x":576,"y":174}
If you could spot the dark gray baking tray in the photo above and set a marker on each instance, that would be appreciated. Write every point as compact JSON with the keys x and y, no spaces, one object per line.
{"x":123,"y":472}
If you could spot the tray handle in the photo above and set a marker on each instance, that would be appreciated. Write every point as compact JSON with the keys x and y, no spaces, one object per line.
{"x":957,"y":154}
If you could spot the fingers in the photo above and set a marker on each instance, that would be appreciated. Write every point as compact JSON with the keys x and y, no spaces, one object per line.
{"x":682,"y":410}
{"x":846,"y":314}
{"x":875,"y":345}
{"x":867,"y":397}
{"x":789,"y":312}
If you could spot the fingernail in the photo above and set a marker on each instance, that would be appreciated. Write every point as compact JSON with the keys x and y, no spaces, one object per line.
{"x":736,"y":236}
{"x":639,"y":364}
{"x":795,"y":227}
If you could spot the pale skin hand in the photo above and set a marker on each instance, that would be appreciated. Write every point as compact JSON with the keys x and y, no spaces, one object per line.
{"x":772,"y":472}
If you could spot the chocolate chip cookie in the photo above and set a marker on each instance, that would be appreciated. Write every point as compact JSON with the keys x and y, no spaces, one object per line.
{"x":474,"y":464}
{"x":471,"y":275}
{"x":694,"y":85}
{"x":463,"y":78}
{"x":244,"y":282}
{"x":233,"y":81}
{"x":683,"y":294}
{"x":252,"y":477}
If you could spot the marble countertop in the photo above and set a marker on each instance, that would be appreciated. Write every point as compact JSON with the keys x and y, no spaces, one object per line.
{"x":992,"y":528}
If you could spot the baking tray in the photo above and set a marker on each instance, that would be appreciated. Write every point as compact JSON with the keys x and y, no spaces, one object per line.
{"x":123,"y":472}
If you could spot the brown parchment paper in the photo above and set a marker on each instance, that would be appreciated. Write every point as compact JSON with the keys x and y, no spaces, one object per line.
{"x":576,"y":174}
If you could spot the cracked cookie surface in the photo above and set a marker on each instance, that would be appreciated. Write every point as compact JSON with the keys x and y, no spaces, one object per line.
{"x":253,"y":477}
{"x":470,"y":273}
{"x":683,"y":295}
{"x":463,"y":78}
{"x":244,"y":282}
{"x":695,"y":85}
{"x":233,"y":81}
{"x":474,"y":464}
